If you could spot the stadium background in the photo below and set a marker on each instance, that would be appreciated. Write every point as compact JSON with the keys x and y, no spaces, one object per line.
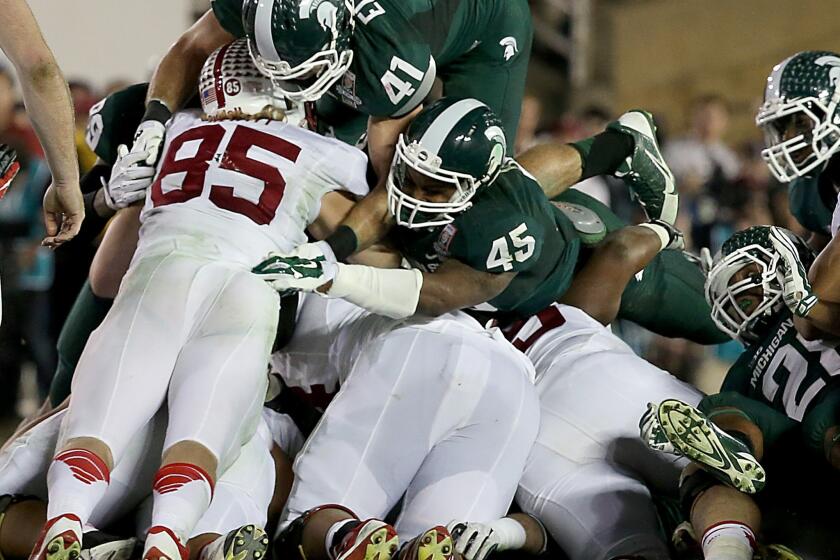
{"x":699,"y":66}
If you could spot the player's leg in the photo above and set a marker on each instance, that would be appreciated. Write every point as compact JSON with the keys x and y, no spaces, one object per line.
{"x":588,"y":468}
{"x":215,"y":401}
{"x":472,"y":472}
{"x":667,"y":297}
{"x":820,"y":428}
{"x":109,"y":265}
{"x":233,"y":525}
{"x":121,"y":382}
{"x":495,"y":70}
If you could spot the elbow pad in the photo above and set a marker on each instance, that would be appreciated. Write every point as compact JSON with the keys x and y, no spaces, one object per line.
{"x":392,"y":292}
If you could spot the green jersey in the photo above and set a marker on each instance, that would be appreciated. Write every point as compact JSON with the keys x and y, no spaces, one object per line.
{"x":478,"y":48}
{"x":511,"y":227}
{"x":785,"y":371}
{"x":114,"y":120}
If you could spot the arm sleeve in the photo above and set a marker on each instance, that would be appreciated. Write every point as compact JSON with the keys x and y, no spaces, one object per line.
{"x":229,"y":14}
{"x":738,"y":377}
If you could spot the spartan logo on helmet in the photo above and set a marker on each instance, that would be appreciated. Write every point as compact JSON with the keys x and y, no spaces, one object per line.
{"x":304,"y":46}
{"x":800,"y":116}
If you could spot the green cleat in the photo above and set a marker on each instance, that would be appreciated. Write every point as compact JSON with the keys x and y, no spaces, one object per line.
{"x":724,"y":457}
{"x":645,"y":171}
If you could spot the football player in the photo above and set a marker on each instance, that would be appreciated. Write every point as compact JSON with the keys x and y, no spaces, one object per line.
{"x":192,"y":326}
{"x":436,"y":415}
{"x":779,"y":404}
{"x":801,"y":120}
{"x":231,"y":527}
{"x":482,"y":230}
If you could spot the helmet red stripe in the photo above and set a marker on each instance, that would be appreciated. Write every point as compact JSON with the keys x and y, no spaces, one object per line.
{"x":217,"y":76}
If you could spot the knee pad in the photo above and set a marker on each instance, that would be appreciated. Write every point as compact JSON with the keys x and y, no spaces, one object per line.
{"x":287,"y":544}
{"x":691,"y":486}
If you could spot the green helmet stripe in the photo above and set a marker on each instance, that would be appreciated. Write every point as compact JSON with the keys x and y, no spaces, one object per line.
{"x":442,"y":126}
{"x":262,"y":30}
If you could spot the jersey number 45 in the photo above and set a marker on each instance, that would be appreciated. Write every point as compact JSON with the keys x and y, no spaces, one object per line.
{"x":204,"y":142}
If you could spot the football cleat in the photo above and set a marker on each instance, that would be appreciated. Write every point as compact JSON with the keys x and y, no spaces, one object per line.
{"x":162,"y":544}
{"x":650,"y":179}
{"x":369,"y":540}
{"x":60,"y":539}
{"x":248,"y":542}
{"x":434,"y":544}
{"x":721,"y":455}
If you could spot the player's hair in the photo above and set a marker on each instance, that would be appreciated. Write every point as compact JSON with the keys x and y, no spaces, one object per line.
{"x":269,"y":112}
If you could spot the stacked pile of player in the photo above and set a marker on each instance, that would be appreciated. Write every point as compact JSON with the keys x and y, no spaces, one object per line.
{"x":421,"y":424}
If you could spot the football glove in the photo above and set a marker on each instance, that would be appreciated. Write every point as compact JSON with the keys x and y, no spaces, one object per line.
{"x":477,"y":541}
{"x":645,"y":171}
{"x":307,"y":268}
{"x":796,"y":290}
{"x":650,"y":430}
{"x":148,"y":140}
{"x":9,"y":167}
{"x":129,"y":181}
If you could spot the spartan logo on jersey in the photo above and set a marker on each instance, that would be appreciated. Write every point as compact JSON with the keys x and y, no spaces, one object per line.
{"x":834,"y":63}
{"x":511,"y":47}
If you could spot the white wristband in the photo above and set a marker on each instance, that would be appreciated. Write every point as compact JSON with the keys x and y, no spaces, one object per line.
{"x":661,"y":231}
{"x":392,"y":292}
{"x":510,"y":532}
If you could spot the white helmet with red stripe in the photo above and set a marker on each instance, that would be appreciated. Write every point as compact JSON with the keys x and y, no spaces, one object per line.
{"x":231,"y":82}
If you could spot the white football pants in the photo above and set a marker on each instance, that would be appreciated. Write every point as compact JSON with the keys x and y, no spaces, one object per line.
{"x":187,"y":328}
{"x":439,"y":412}
{"x":589,"y":475}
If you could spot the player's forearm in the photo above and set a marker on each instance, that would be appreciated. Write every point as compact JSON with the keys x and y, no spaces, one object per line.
{"x":383,"y":134}
{"x":50,"y":109}
{"x":176,"y":77}
{"x":555,"y":166}
{"x":822,"y":321}
{"x":370,"y":219}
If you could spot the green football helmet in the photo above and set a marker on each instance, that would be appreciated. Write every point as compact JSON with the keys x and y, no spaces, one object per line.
{"x":800,"y":116}
{"x":302,"y":45}
{"x":455,"y":141}
{"x":732,"y":299}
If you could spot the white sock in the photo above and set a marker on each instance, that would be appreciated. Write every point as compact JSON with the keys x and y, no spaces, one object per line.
{"x":728,"y":540}
{"x":77,"y":480}
{"x":182,"y":494}
{"x":213,"y":549}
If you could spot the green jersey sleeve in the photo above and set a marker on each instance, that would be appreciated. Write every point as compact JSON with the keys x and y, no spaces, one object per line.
{"x":229,"y":14}
{"x":114,"y":120}
{"x":497,"y":242}
{"x":738,"y":377}
{"x":807,"y":205}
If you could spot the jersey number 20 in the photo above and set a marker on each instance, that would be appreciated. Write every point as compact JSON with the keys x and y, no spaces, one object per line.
{"x":235,"y":157}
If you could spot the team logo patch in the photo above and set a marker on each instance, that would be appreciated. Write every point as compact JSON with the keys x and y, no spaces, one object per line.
{"x":511,"y":47}
{"x":445,"y":238}
{"x":346,"y":88}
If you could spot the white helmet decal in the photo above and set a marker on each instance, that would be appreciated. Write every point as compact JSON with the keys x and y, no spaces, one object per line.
{"x":834,"y":63}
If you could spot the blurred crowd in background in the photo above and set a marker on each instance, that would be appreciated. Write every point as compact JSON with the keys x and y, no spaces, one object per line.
{"x":724,"y":187}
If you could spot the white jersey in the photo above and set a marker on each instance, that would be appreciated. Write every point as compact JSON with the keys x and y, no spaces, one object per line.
{"x":249,"y":187}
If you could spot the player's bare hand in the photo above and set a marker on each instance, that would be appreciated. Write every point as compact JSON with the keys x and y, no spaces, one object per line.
{"x":64,"y":211}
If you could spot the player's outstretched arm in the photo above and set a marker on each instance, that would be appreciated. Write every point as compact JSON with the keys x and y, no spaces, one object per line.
{"x":48,"y":104}
{"x":176,"y":76}
{"x":597,"y":287}
{"x":820,"y":318}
